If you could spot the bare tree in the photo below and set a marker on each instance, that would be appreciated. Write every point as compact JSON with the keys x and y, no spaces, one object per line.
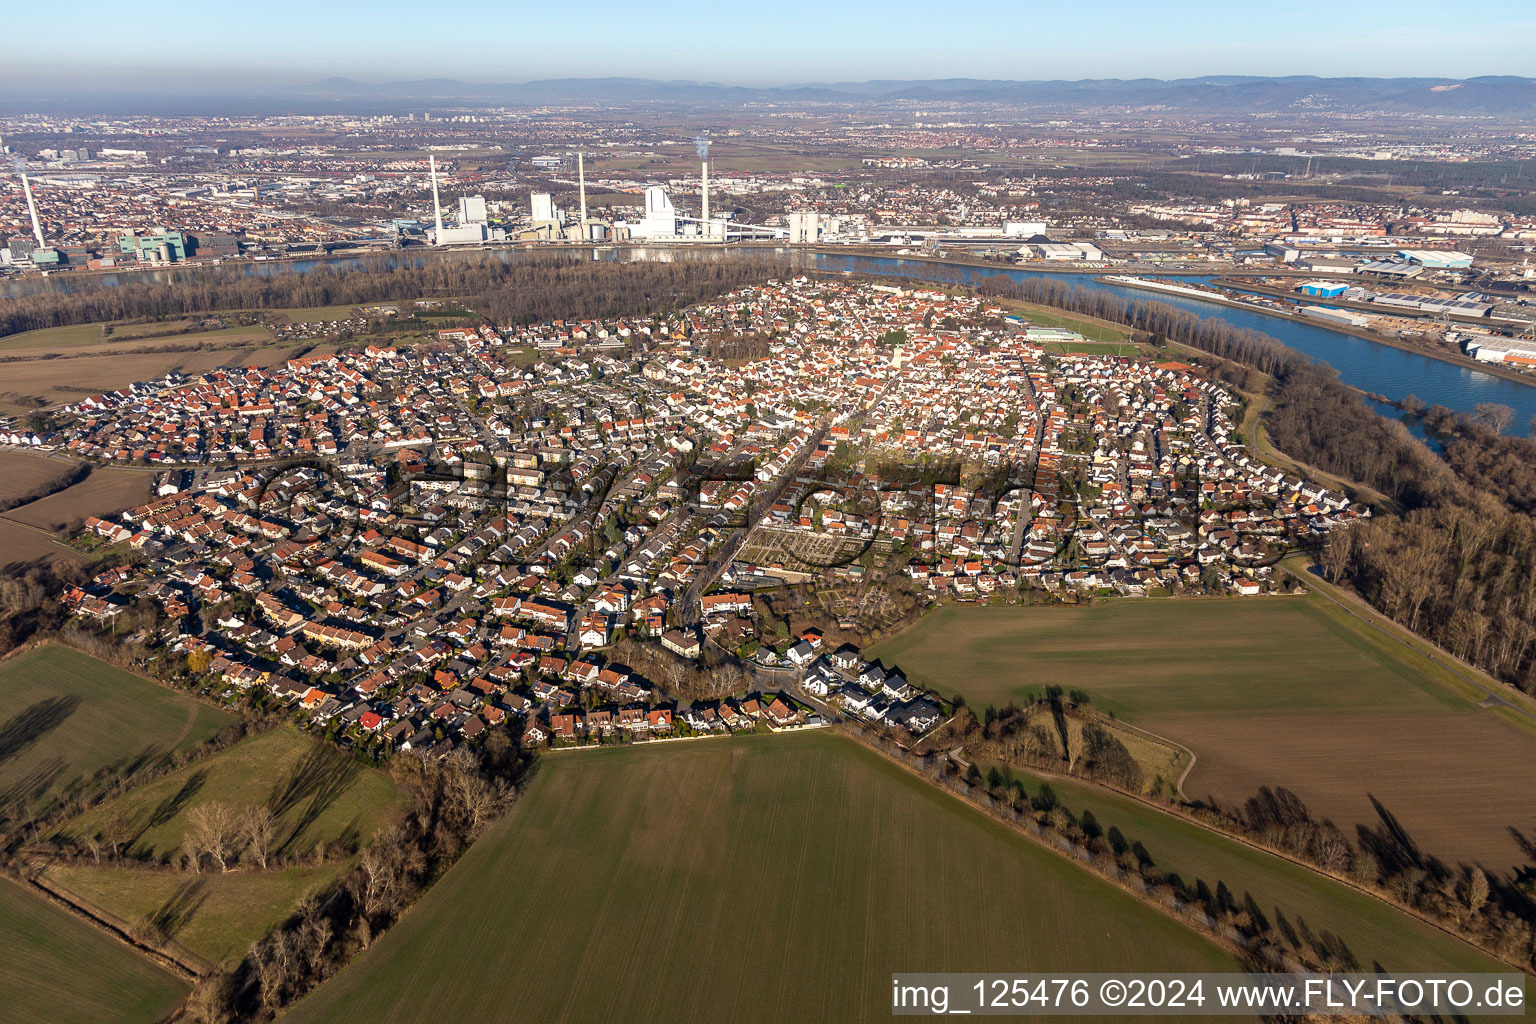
{"x":258,"y":827}
{"x":1337,"y":551}
{"x":1477,"y":890}
{"x":1493,"y":415}
{"x":211,"y":830}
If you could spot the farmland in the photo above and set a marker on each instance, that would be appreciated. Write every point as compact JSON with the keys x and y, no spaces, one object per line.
{"x":1279,"y":692}
{"x":59,"y":969}
{"x":33,"y":378}
{"x":103,"y":492}
{"x":319,"y":795}
{"x":69,"y":716}
{"x":22,"y":544}
{"x":1372,"y":931}
{"x":23,"y":473}
{"x":630,"y":883}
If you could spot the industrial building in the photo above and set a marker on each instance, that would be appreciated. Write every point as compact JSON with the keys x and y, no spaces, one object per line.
{"x":1471,"y":304}
{"x":159,"y":247}
{"x":1488,"y":349}
{"x":1436,"y":260}
{"x":1323,"y":289}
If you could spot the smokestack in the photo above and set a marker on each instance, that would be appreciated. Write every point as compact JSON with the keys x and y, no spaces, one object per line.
{"x":704,"y":227}
{"x":37,"y":229}
{"x":581,"y":177}
{"x":437,"y":208}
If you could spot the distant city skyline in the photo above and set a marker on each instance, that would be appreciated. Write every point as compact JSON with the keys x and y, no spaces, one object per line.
{"x":284,"y":43}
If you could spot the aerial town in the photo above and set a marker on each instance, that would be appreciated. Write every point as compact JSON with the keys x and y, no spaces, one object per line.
{"x":689,"y":550}
{"x":462,"y":559}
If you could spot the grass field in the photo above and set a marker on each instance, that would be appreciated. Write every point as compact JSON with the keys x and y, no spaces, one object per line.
{"x":216,"y":916}
{"x":767,"y":878}
{"x":318,"y":793}
{"x":59,"y":969}
{"x":1372,"y":931}
{"x":1089,"y":328}
{"x":67,"y":715}
{"x":1281,"y":692}
{"x":103,"y":492}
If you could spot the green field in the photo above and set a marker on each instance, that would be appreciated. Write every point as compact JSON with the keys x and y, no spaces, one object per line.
{"x":318,"y":793}
{"x":58,"y":969}
{"x":1267,"y":691}
{"x":764,"y":878}
{"x":68,"y":715}
{"x":1138,"y":658}
{"x":215,"y":916}
{"x":1373,"y":931}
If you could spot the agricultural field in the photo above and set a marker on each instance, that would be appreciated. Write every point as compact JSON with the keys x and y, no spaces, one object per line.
{"x":103,"y":338}
{"x":103,"y":492}
{"x":215,"y":917}
{"x":20,"y":545}
{"x":762,"y":878}
{"x":22,"y":473}
{"x":1286,"y":692}
{"x":318,"y":793}
{"x":68,"y":716}
{"x":1372,"y":931}
{"x":59,"y":969}
{"x":28,"y":384}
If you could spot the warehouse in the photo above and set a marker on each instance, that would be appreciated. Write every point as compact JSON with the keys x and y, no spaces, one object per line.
{"x":1436,"y":260}
{"x":1323,"y":289}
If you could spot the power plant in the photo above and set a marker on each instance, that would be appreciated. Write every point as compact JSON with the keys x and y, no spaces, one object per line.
{"x":472,"y":227}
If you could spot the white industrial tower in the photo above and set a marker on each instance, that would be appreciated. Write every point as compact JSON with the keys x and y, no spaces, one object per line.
{"x":437,"y":208}
{"x":581,"y":178}
{"x":37,"y":229}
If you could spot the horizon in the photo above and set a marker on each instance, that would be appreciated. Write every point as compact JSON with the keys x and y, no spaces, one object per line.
{"x":291,"y":45}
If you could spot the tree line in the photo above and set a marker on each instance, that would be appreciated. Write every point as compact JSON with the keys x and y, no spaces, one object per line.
{"x":526,"y":289}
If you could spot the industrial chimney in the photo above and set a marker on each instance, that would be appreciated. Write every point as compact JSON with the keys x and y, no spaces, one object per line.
{"x":704,"y":227}
{"x":437,"y":209}
{"x":37,"y":229}
{"x":581,"y":178}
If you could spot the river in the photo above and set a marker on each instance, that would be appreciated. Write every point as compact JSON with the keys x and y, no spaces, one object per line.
{"x":1368,"y":365}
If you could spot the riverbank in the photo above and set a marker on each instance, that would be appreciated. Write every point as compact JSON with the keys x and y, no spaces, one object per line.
{"x":1433,"y":352}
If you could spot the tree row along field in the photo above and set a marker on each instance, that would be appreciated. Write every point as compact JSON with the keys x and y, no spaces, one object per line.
{"x":222,"y":892}
{"x":1268,"y":692}
{"x":1356,"y":928}
{"x":762,"y":878}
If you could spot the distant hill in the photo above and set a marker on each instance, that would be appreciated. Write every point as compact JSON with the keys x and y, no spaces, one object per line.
{"x":1505,"y":97}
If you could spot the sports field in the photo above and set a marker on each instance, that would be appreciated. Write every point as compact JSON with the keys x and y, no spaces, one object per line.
{"x":1267,"y":691}
{"x":58,"y":969}
{"x":764,"y":878}
{"x":66,"y":715}
{"x":318,"y":793}
{"x":1372,"y":931}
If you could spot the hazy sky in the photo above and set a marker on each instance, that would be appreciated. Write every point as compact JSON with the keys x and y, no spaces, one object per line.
{"x":202,"y":45}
